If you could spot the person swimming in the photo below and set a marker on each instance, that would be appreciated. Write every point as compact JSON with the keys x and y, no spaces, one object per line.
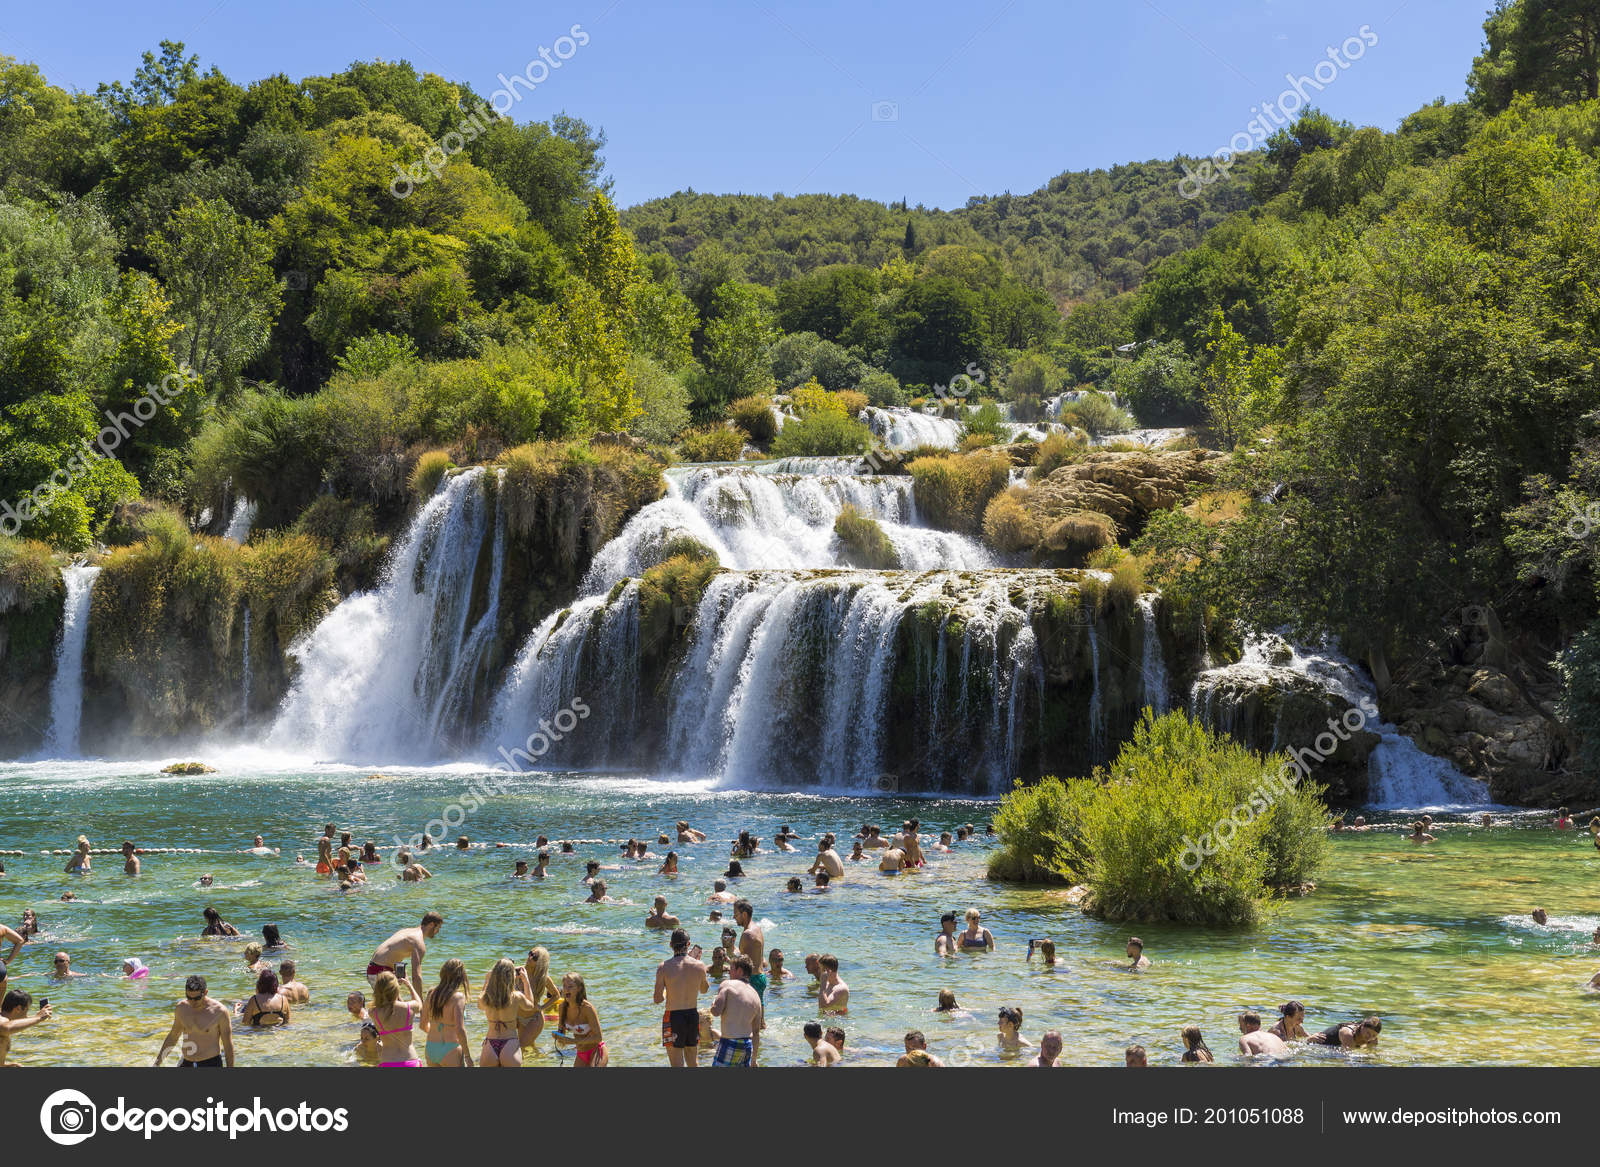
{"x":268,"y":1006}
{"x":1195,"y":1049}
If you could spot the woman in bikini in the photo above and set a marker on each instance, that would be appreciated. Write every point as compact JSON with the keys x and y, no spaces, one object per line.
{"x":216,"y":925}
{"x":544,"y":990}
{"x":444,"y":1015}
{"x":1291,"y":1021}
{"x":670,"y":866}
{"x":395,"y":1020}
{"x":976,"y":938}
{"x":268,"y":1007}
{"x":580,"y":1023}
{"x":1194,"y":1046}
{"x":507,"y":1002}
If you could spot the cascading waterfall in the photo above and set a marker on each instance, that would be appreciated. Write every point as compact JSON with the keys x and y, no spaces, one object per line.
{"x":899,"y":428}
{"x":245,"y":712}
{"x":1153,"y":663}
{"x":242,"y":519}
{"x":1399,"y":774}
{"x":375,"y":672}
{"x":66,"y":687}
{"x":756,"y":520}
{"x":1096,"y":707}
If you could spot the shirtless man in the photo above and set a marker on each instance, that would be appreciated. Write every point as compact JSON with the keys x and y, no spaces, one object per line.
{"x":893,"y":861}
{"x":414,"y":872}
{"x":1255,"y":1040}
{"x":680,"y":979}
{"x":915,"y":1041}
{"x":720,"y":893}
{"x":1049,"y":1049}
{"x":874,"y":839}
{"x":743,"y":1018}
{"x":659,"y":918}
{"x":1419,"y":833}
{"x":292,"y":989}
{"x":61,"y":968}
{"x":827,"y":860}
{"x":752,"y":943}
{"x":910,"y":844}
{"x":1136,"y":953}
{"x":130,"y":861}
{"x":822,"y":1053}
{"x":325,"y":851}
{"x":14,"y":1019}
{"x":833,"y":995}
{"x":687,"y":834}
{"x":408,"y":943}
{"x":944,"y":944}
{"x":202,"y":1028}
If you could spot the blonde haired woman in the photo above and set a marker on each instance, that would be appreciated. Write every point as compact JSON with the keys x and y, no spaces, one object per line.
{"x":79,"y":863}
{"x":580,"y":1023}
{"x":507,"y":1001}
{"x":976,"y":938}
{"x":444,"y":1018}
{"x":395,"y":1020}
{"x":543,"y":990}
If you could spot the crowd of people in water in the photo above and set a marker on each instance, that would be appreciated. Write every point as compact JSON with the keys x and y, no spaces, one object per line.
{"x":517,"y":1003}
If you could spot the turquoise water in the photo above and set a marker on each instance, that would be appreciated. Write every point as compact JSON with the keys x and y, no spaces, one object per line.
{"x":1436,"y":940}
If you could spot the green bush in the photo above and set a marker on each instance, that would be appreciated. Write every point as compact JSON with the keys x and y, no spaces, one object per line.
{"x":825,"y":433}
{"x":864,"y":541}
{"x":1186,"y":826}
{"x":349,"y":530}
{"x":712,"y":443}
{"x":881,"y":389}
{"x":1029,"y":822}
{"x":986,"y":420}
{"x":953,"y":490}
{"x":663,"y":401}
{"x":755,"y":417}
{"x":1096,"y":413}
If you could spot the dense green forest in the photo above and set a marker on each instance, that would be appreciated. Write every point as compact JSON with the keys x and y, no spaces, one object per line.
{"x":319,"y":293}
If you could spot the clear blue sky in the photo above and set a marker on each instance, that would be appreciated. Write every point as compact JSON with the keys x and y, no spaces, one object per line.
{"x":762,"y":96}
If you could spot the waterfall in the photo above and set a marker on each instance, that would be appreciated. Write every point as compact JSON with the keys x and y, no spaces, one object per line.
{"x":66,"y":687}
{"x":1400,"y":776}
{"x":1153,"y":664}
{"x":246,"y":710}
{"x":899,"y":428}
{"x":242,"y":519}
{"x":763,"y":521}
{"x":375,"y":673}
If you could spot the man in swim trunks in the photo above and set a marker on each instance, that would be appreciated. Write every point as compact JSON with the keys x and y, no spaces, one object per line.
{"x":325,"y":851}
{"x":1255,"y":1040}
{"x":680,"y":979}
{"x":742,"y":1015}
{"x":1136,"y":952}
{"x":892,"y":861}
{"x":776,"y":973}
{"x":408,"y":943}
{"x":944,"y":944}
{"x":202,"y":1029}
{"x":659,"y":918}
{"x":130,"y":861}
{"x":720,"y":893}
{"x":911,"y":845}
{"x":752,"y":943}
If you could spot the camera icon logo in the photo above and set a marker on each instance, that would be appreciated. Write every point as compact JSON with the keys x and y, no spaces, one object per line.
{"x":68,"y":1117}
{"x":886,"y":111}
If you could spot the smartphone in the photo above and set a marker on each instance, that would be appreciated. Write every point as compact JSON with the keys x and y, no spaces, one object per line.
{"x":43,"y":1001}
{"x":400,"y":970}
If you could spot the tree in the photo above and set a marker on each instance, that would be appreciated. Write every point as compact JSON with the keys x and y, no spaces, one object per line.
{"x":737,"y":337}
{"x":217,"y":269}
{"x":1547,"y":48}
